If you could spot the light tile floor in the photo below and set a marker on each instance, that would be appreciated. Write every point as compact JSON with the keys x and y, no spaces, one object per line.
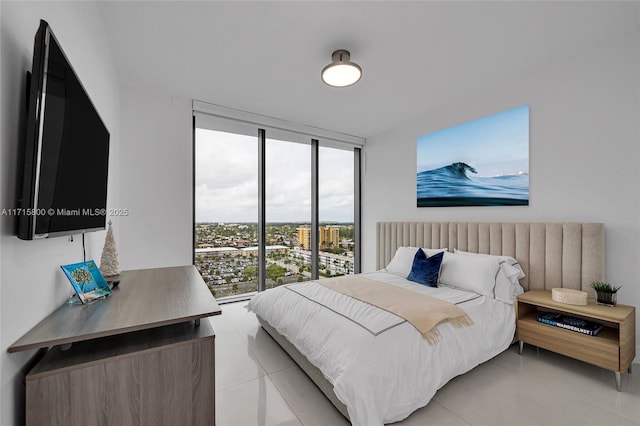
{"x":258,"y":384}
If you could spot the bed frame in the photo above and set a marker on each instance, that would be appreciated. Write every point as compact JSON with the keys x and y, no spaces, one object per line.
{"x":569,"y":255}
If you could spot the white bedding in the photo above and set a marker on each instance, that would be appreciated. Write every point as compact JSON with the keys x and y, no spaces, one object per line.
{"x":380,"y":366}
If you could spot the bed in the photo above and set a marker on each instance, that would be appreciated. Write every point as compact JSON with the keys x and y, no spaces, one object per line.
{"x":373,"y":366}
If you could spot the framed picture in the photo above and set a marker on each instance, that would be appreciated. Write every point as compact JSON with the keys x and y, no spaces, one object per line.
{"x":484,"y":162}
{"x":87,"y":281}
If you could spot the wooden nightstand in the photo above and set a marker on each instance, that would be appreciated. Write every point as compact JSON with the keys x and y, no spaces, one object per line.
{"x":612,"y":348}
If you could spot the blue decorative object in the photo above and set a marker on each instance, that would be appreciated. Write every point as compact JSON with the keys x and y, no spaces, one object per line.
{"x":87,"y":281}
{"x":425,"y":270}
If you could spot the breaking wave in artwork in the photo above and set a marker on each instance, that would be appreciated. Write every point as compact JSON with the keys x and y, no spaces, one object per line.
{"x":455,"y":185}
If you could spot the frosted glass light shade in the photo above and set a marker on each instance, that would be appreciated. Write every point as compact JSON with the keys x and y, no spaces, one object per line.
{"x":341,"y":72}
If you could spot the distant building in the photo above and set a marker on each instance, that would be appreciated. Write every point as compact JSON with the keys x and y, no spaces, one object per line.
{"x":242,"y":243}
{"x":304,"y":237}
{"x":339,"y":263}
{"x":253,"y":251}
{"x":216,"y":251}
{"x":329,"y":237}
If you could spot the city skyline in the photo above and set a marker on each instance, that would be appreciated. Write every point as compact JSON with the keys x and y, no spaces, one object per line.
{"x":226,"y":255}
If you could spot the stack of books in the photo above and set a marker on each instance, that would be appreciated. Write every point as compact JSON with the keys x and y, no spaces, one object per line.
{"x":570,"y":323}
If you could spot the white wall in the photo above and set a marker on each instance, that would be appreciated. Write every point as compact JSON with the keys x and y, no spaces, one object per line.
{"x":584,"y":155}
{"x":157,"y":181}
{"x":31,"y":283}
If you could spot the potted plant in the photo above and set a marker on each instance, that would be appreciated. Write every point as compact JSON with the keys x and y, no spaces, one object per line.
{"x":605,"y":292}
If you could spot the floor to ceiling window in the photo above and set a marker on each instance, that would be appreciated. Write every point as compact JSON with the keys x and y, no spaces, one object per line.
{"x":288,"y":210}
{"x":335,"y":211}
{"x":226,"y":213}
{"x":245,"y":241}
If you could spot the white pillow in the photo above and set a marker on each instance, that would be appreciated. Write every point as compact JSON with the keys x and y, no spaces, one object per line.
{"x":403,"y":259}
{"x":507,"y":284}
{"x":472,"y":273}
{"x":507,"y":288}
{"x":512,"y":269}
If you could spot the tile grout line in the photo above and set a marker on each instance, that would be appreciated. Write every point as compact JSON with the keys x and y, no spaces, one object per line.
{"x":433,"y":400}
{"x":284,"y":396}
{"x":241,"y":383}
{"x":563,"y":391}
{"x":555,"y":388}
{"x":267,"y":374}
{"x":256,"y":357}
{"x":252,"y":356}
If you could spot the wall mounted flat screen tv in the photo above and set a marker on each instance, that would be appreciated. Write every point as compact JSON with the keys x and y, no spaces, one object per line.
{"x":66,"y":152}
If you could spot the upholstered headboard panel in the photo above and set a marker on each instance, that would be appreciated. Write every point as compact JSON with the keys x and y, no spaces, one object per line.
{"x":570,"y":255}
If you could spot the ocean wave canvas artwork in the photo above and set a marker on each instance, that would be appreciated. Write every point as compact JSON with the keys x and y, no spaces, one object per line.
{"x":484,"y":162}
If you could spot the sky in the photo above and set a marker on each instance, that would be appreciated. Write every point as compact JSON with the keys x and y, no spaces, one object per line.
{"x":494,"y":145}
{"x":227,"y":180}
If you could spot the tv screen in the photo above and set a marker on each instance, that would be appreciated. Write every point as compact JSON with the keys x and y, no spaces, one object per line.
{"x":66,"y":152}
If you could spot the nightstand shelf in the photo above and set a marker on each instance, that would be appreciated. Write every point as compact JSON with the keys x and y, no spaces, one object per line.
{"x":612,"y":348}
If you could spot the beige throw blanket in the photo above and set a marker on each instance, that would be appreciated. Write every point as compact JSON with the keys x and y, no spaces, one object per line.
{"x":422,"y":311}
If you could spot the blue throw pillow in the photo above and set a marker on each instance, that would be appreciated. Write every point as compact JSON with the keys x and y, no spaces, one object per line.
{"x":425,"y":270}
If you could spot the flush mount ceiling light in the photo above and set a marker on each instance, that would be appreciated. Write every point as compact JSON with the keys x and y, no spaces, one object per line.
{"x":341,"y":72}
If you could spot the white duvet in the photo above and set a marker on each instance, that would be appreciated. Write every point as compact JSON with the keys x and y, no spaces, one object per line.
{"x":380,"y":366}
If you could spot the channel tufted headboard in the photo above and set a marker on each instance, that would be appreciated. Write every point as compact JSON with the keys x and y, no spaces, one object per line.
{"x":570,"y":255}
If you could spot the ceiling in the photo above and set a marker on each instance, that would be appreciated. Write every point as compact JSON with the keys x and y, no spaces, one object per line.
{"x":265,"y":57}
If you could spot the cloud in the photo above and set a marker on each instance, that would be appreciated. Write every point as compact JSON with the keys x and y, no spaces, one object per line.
{"x":227,"y":180}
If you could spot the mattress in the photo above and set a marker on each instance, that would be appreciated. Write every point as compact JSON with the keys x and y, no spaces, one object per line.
{"x":379,"y":365}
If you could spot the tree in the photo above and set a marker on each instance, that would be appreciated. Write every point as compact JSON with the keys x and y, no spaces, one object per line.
{"x":250,"y":273}
{"x":234,"y":288}
{"x":275,"y":271}
{"x":82,"y":276}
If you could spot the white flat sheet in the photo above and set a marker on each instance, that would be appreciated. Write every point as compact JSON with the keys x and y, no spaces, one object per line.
{"x":380,"y":366}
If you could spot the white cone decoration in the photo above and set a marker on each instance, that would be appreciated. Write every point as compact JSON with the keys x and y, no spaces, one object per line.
{"x":109,"y":265}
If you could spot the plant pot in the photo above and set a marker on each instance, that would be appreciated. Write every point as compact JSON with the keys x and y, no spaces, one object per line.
{"x":606,"y":299}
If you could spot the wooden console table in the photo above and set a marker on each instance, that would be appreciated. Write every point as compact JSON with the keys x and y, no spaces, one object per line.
{"x":139,"y":357}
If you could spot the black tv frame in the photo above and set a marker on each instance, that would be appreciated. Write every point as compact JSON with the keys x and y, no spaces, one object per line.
{"x":29,"y":210}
